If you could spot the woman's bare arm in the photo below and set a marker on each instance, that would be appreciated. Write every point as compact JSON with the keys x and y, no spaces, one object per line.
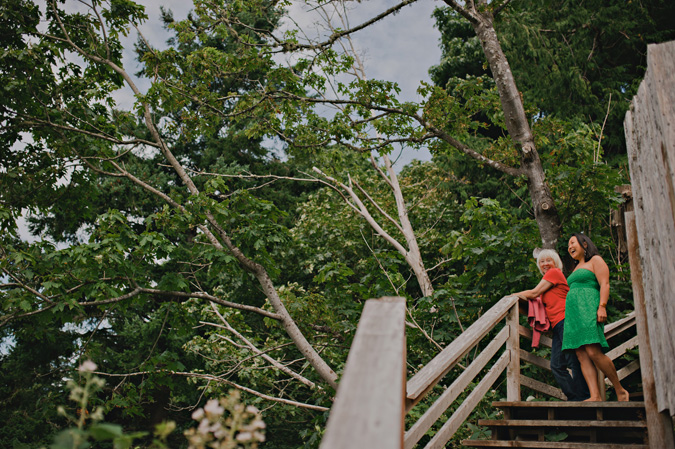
{"x":539,"y":290}
{"x":601,"y":271}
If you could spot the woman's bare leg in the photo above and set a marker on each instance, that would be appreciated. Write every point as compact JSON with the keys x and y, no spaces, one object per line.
{"x":590,"y":374}
{"x":604,"y":364}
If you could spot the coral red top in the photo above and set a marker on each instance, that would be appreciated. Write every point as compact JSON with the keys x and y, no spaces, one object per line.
{"x":554,"y":298}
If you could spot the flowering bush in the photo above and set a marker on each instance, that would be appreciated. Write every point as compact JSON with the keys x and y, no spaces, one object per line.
{"x":223,"y":424}
{"x":226,"y":424}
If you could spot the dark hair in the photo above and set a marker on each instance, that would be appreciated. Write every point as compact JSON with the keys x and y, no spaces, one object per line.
{"x":589,"y":247}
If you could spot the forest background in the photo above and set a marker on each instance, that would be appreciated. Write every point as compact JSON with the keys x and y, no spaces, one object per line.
{"x":224,"y":231}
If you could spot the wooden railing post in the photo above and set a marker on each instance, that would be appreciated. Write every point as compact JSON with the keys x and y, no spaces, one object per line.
{"x":659,"y":425}
{"x":513,"y":347}
{"x":369,"y":406}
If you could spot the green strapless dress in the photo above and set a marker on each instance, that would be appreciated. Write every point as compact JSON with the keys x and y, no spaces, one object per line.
{"x":581,"y":311}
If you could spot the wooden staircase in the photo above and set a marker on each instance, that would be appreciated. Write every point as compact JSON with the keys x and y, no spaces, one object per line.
{"x":575,"y":425}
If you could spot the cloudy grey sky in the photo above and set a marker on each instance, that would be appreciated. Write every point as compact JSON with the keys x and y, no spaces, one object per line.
{"x":400,"y":48}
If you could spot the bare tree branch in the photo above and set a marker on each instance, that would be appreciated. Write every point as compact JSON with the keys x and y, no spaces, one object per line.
{"x":220,"y":380}
{"x":288,"y":46}
{"x":257,"y":351}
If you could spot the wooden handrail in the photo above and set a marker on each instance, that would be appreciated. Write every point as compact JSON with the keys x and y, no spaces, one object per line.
{"x":434,"y":371}
{"x":617,"y":327}
{"x":373,"y":397}
{"x":439,"y":366}
{"x":446,"y":399}
{"x":369,"y":405}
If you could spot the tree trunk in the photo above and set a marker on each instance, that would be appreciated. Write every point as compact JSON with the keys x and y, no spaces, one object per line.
{"x":545,"y":212}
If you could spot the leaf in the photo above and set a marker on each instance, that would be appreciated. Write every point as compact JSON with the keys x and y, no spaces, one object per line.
{"x":105,"y":431}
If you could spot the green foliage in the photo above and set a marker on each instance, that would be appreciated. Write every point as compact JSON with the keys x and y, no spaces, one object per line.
{"x":494,"y":246}
{"x":123,"y":237}
{"x":575,"y":60}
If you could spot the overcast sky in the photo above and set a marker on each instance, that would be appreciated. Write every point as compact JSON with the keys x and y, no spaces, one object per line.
{"x":400,"y":48}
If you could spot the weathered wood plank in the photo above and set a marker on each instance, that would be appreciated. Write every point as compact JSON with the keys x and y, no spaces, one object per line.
{"x":560,"y":423}
{"x":542,"y":387}
{"x":549,"y":444}
{"x":513,"y":346}
{"x":535,"y":360}
{"x":625,"y":371}
{"x":650,"y":140}
{"x":527,"y":333}
{"x":413,"y":435}
{"x":617,"y":327}
{"x":660,"y":424}
{"x":439,"y":366}
{"x":622,"y":348}
{"x":463,"y":411}
{"x":368,"y":410}
{"x":556,"y":404}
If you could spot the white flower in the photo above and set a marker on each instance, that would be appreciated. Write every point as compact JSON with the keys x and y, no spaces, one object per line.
{"x":251,"y":409}
{"x":198,"y":414}
{"x":212,"y":407}
{"x":87,"y":367}
{"x":244,"y":436}
{"x":258,"y":424}
{"x":203,"y":426}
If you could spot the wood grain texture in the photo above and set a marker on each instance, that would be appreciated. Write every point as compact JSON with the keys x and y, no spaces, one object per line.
{"x":417,"y":430}
{"x":549,"y":444}
{"x":439,"y":366}
{"x":463,"y":411}
{"x":542,"y":387}
{"x":527,"y":333}
{"x":369,"y":405}
{"x":615,"y":328}
{"x":572,"y":405}
{"x":513,"y":346}
{"x":650,"y":138}
{"x":660,"y":424}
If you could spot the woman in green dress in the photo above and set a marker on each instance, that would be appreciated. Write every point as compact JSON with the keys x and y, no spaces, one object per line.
{"x":585,"y":315}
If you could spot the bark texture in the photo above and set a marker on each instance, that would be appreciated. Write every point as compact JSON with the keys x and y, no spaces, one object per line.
{"x":517,"y":124}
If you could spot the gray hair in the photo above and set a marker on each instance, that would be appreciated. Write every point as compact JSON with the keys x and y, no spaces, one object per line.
{"x":544,"y":253}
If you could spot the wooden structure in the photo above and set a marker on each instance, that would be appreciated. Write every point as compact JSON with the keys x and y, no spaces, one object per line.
{"x":585,"y":425}
{"x":373,"y":396}
{"x":369,"y":407}
{"x":650,"y":138}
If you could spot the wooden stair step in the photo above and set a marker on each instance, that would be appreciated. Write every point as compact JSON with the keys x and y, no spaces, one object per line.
{"x":600,"y":411}
{"x":550,"y":444}
{"x":561,"y":423}
{"x":570,"y":404}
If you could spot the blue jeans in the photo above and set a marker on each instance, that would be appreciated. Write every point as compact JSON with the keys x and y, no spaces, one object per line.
{"x":573,"y":386}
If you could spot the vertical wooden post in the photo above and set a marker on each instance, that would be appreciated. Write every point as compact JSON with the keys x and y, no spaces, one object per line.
{"x":513,"y":346}
{"x":370,"y":402}
{"x":659,"y":425}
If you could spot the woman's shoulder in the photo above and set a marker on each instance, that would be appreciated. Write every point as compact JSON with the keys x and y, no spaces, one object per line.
{"x":557,"y":271}
{"x":597,"y":261}
{"x":555,"y":274}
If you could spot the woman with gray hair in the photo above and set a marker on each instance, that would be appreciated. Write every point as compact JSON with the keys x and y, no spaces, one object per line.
{"x":553,"y":289}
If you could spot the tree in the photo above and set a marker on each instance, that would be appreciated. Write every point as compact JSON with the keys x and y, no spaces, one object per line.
{"x":78,"y":135}
{"x":170,"y":195}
